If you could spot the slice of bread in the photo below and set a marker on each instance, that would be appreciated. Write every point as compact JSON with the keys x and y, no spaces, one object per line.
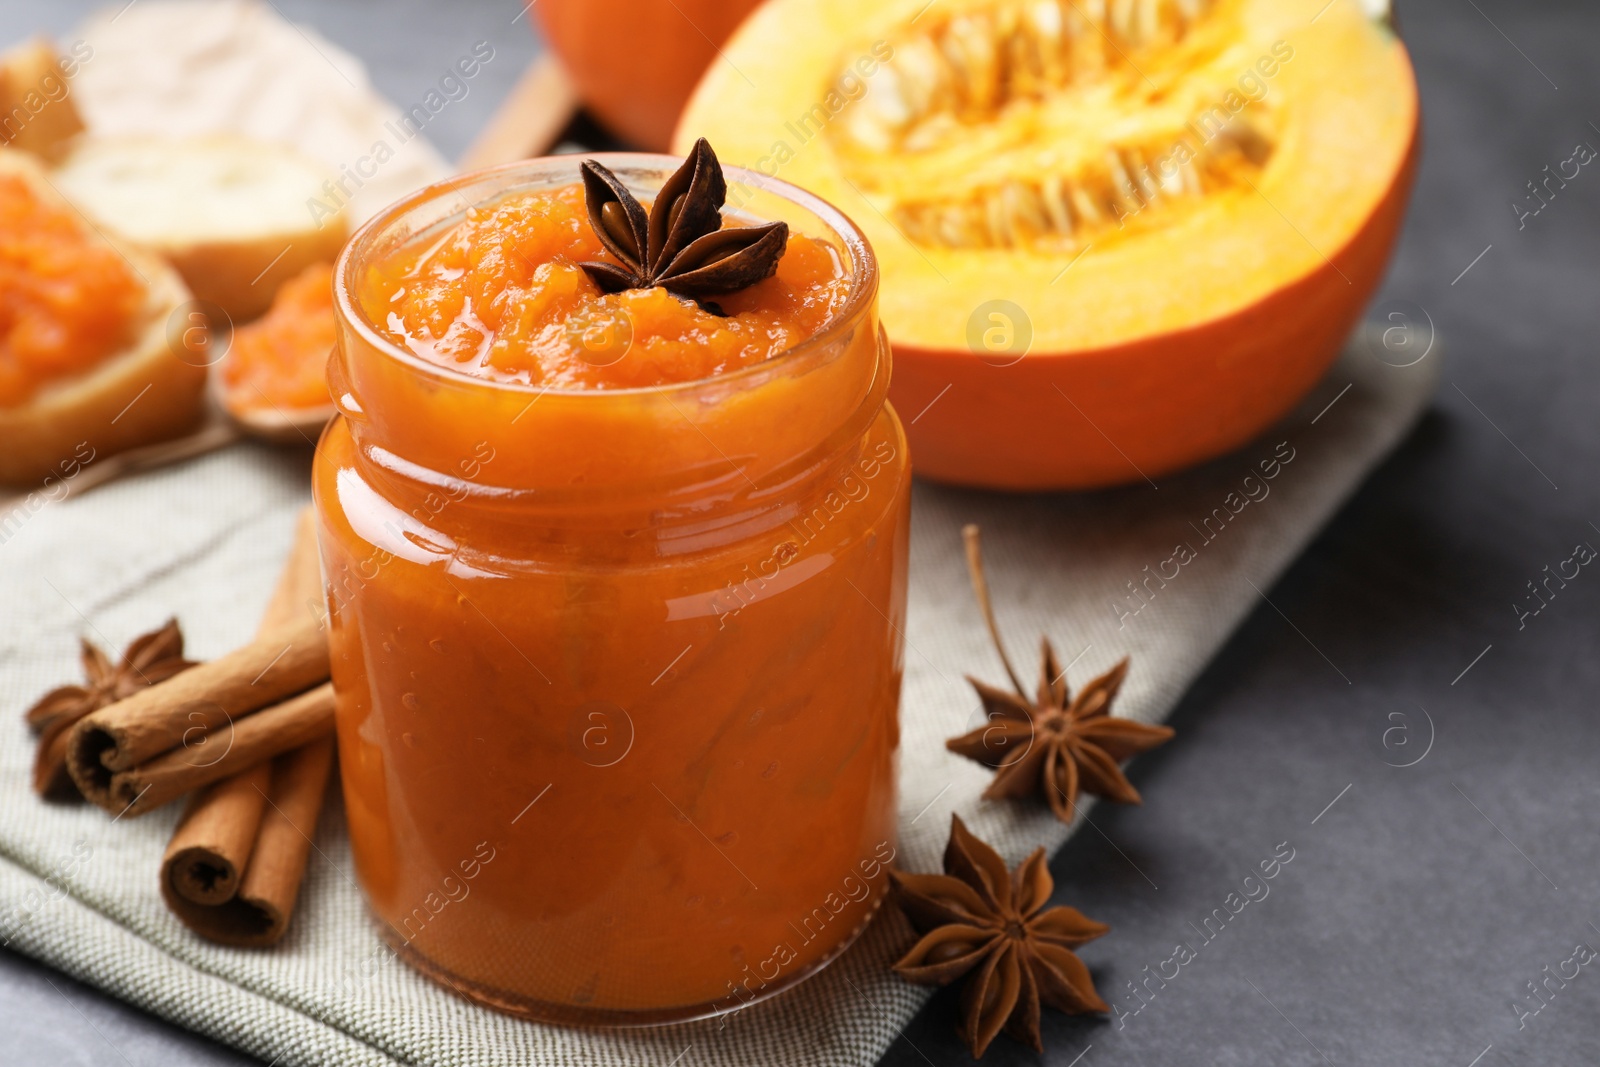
{"x":142,"y":394}
{"x":232,"y":214}
{"x":36,"y":110}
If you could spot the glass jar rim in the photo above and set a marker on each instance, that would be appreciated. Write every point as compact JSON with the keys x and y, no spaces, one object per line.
{"x":863,"y":273}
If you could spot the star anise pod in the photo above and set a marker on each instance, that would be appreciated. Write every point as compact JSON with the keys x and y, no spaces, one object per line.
{"x":151,"y":658}
{"x":978,"y":919}
{"x":681,"y":245}
{"x":1052,"y":743}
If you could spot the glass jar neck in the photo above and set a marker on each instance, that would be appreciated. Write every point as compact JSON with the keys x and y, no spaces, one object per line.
{"x":682,"y":455}
{"x":683,"y":460}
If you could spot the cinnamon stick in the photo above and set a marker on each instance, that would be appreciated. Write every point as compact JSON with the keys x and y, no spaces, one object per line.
{"x":251,"y":740}
{"x":232,"y":871}
{"x":286,"y":658}
{"x":258,"y":913}
{"x":151,"y":658}
{"x":207,"y":855}
{"x":208,"y":852}
{"x":50,"y":777}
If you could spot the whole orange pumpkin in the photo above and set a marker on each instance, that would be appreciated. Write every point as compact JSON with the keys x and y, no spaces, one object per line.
{"x":635,"y":62}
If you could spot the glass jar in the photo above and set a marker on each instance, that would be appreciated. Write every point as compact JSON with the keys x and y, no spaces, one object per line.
{"x":618,"y":671}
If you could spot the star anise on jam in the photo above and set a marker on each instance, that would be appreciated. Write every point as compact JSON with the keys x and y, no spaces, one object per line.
{"x":150,"y":658}
{"x":980,"y":920}
{"x":1051,"y":743}
{"x":681,"y":245}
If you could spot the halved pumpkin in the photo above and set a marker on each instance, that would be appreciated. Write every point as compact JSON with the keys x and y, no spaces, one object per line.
{"x":1117,"y":237}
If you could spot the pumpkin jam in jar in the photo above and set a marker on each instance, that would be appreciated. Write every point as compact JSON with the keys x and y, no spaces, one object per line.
{"x":616,"y":589}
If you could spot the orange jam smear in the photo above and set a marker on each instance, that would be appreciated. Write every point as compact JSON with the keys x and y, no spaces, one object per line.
{"x":281,"y":359}
{"x":502,"y":297}
{"x":67,"y":300}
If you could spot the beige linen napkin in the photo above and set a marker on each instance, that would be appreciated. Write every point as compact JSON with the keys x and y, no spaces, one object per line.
{"x":206,"y":540}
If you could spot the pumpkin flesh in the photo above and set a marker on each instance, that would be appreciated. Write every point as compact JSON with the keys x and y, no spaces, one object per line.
{"x":1189,"y":202}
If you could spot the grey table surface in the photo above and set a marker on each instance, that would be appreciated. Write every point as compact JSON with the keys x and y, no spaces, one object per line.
{"x":1429,"y":905}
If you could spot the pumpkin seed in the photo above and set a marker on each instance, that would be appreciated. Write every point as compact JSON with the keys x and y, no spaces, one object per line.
{"x":1055,"y":209}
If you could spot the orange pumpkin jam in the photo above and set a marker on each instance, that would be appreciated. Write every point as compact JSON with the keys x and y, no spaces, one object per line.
{"x":281,"y":359}
{"x":503,"y":297}
{"x":618,"y":668}
{"x":67,"y":299}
